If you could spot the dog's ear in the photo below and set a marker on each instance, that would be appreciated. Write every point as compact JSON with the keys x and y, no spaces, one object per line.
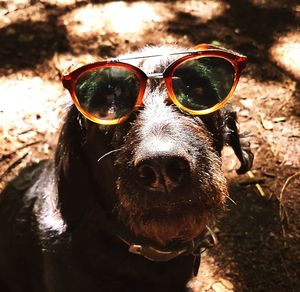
{"x":73,"y":179}
{"x":239,"y":142}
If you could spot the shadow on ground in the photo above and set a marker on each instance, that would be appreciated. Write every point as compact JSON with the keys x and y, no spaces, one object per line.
{"x":252,"y":249}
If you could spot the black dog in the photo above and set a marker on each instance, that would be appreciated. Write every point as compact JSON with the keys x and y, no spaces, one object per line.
{"x":122,"y":207}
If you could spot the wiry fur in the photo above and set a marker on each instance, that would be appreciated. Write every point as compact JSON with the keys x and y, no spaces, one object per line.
{"x":62,"y":233}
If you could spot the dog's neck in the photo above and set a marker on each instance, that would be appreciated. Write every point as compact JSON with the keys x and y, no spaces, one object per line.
{"x":153,"y":252}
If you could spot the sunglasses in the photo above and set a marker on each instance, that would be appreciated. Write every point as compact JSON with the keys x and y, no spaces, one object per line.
{"x":199,"y":82}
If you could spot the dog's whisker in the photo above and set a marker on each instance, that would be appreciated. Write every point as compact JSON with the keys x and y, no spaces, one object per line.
{"x":230,"y":199}
{"x":108,"y":153}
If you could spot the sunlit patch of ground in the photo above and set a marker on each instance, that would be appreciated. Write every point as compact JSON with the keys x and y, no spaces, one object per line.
{"x":209,"y":277}
{"x":97,"y":19}
{"x":30,"y":115}
{"x":63,"y":2}
{"x":204,"y":10}
{"x":286,"y":52}
{"x":122,"y":17}
{"x":110,"y":23}
{"x":265,"y":112}
{"x":12,"y":5}
{"x":101,"y":25}
{"x":30,"y":98}
{"x":29,"y":13}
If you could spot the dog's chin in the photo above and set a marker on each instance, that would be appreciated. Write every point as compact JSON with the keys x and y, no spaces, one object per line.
{"x":164,"y":225}
{"x":172,"y":229}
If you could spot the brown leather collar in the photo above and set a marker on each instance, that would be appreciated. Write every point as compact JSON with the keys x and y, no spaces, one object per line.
{"x":151,"y":251}
{"x":162,"y":254}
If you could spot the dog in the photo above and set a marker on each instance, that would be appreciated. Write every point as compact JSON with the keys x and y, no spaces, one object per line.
{"x":126,"y":201}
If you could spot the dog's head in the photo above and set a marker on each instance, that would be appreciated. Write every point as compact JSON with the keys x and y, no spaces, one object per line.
{"x":159,"y":169}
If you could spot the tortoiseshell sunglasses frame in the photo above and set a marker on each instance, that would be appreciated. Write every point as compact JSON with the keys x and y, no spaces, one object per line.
{"x":238,"y":62}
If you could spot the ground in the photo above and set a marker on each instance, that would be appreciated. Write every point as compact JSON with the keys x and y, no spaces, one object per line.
{"x":258,"y":233}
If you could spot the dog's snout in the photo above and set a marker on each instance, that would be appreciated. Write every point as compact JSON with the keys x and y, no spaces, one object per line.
{"x":162,"y":174}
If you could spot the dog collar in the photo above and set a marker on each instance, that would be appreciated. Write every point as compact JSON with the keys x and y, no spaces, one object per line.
{"x":156,"y":254}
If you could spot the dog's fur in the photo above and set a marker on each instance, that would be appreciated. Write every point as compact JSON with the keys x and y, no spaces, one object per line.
{"x":156,"y":177}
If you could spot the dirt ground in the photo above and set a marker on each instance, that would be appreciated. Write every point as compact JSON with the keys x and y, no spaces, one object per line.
{"x":259,"y":232}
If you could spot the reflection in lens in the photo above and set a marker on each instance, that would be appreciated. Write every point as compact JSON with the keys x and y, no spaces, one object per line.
{"x":201,"y":83}
{"x":107,"y":93}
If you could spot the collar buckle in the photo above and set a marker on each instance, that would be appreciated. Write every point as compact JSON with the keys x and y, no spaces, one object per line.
{"x":154,"y":254}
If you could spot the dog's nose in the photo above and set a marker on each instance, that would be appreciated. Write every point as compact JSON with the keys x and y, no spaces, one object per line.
{"x":162,"y":174}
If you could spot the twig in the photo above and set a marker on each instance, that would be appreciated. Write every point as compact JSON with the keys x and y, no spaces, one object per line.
{"x":12,"y":166}
{"x":252,"y":180}
{"x":257,"y":185}
{"x":25,"y":131}
{"x":17,"y":9}
{"x":283,"y":231}
{"x":5,"y":156}
{"x":282,"y":209}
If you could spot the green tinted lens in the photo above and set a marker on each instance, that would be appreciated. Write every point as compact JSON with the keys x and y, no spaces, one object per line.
{"x":201,"y":83}
{"x":108,"y":93}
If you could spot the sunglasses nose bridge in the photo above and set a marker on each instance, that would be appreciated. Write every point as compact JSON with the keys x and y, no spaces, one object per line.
{"x":148,"y":85}
{"x":162,"y":77}
{"x":155,"y":76}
